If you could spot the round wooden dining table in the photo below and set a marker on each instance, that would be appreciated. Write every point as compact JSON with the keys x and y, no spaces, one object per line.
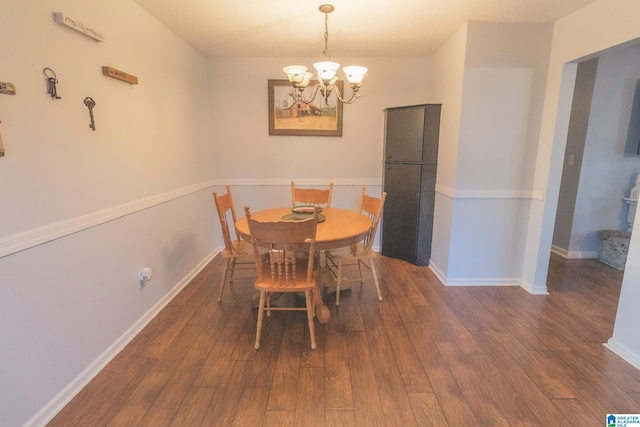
{"x":340,"y":228}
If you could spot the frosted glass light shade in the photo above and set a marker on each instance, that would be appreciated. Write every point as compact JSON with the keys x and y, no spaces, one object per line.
{"x":355,"y":74}
{"x":326,"y":70}
{"x":306,"y":79}
{"x":295,"y":73}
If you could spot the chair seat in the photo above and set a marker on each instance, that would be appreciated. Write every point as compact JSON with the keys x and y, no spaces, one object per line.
{"x":299,"y":284}
{"x":350,"y":251}
{"x":240,"y":247}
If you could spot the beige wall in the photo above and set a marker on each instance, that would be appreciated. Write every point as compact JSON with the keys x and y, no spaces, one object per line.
{"x":153,"y":134}
{"x":82,"y":212}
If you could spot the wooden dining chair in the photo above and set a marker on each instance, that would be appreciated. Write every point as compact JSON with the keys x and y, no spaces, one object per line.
{"x":361,"y":254}
{"x":287,"y":271}
{"x":237,"y":253}
{"x":311,"y":196}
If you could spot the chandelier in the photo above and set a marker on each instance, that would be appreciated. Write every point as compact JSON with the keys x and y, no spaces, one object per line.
{"x":326,"y":72}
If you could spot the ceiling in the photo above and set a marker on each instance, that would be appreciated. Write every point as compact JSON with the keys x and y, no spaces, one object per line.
{"x":359,"y":28}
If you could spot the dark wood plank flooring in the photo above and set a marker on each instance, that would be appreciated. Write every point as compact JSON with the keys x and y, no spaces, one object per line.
{"x":427,"y":355}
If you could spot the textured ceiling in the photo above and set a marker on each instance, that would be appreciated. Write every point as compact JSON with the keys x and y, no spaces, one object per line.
{"x":356,"y":27}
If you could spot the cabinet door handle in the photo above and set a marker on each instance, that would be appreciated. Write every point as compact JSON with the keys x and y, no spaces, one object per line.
{"x":388,"y":168}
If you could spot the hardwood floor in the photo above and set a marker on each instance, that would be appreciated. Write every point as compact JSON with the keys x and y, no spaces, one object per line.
{"x":427,"y":355}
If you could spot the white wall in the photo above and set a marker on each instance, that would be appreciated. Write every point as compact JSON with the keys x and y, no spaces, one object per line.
{"x":488,"y":200}
{"x":447,"y":73}
{"x":245,"y":151}
{"x":576,"y":137}
{"x":607,"y":173}
{"x":513,"y":47}
{"x":493,"y":149}
{"x":597,"y":26}
{"x":626,"y":339}
{"x":260,"y":166}
{"x":82,"y":212}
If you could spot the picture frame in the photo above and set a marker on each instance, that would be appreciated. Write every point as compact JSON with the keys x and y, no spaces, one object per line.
{"x":289,"y":117}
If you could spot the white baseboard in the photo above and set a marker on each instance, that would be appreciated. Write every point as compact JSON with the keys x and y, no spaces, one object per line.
{"x":482,"y":281}
{"x":622,"y":351}
{"x":491,"y":281}
{"x":582,"y":254}
{"x":573,"y":254}
{"x":56,"y":404}
{"x":560,"y":251}
{"x":534,"y":290}
{"x":436,"y":270}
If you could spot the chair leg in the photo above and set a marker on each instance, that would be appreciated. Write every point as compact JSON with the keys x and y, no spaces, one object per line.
{"x":375,"y":278}
{"x":360,"y":271}
{"x":312,"y":332}
{"x":232,"y":268}
{"x":268,"y":298}
{"x":322,"y":259}
{"x":263,"y":296}
{"x":223,"y":279}
{"x":338,"y":282}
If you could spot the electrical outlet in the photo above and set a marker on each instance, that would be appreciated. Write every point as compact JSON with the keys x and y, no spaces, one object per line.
{"x":7,"y":88}
{"x":145,"y":275}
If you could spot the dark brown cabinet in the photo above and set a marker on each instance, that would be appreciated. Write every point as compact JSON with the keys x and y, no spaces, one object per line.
{"x":410,"y":167}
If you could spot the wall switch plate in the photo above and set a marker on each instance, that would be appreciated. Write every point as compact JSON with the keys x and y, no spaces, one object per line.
{"x":7,"y":88}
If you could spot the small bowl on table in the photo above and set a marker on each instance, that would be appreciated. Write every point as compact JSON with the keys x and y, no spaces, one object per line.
{"x":304,"y":212}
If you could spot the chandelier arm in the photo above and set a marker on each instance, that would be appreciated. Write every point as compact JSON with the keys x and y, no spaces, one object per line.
{"x":299,"y":97}
{"x":351,"y":100}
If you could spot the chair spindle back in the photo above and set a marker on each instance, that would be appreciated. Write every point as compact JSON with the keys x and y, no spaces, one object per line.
{"x":311,"y":196}
{"x":284,"y":239}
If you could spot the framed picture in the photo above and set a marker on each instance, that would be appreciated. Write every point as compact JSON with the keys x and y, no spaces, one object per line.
{"x":290,"y":117}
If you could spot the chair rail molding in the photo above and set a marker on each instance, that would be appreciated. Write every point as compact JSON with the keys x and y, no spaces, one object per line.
{"x":489,"y":194}
{"x":277,"y":182}
{"x":38,"y":236}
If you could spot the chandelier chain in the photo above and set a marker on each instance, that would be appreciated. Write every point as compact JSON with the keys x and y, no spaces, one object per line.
{"x":326,"y":37}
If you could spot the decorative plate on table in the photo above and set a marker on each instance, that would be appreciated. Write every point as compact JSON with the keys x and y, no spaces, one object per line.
{"x":303,"y":212}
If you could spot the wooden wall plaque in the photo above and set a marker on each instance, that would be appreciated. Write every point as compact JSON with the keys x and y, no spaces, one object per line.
{"x":120,"y":75}
{"x":69,"y":22}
